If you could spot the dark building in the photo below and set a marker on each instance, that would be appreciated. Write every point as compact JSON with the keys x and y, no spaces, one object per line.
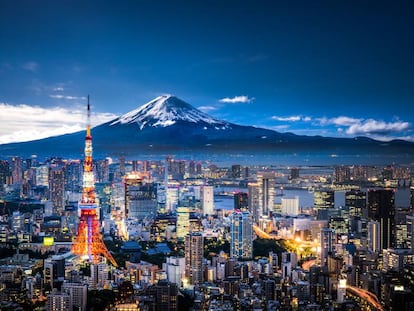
{"x":57,"y":189}
{"x":381,"y":208}
{"x":165,"y":295}
{"x":355,"y":204}
{"x":140,"y":197}
{"x":294,"y":173}
{"x":236,"y":171}
{"x":133,"y":250}
{"x":342,"y":174}
{"x":241,"y":201}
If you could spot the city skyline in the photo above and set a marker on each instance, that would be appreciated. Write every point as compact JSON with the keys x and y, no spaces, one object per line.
{"x":338,"y":69}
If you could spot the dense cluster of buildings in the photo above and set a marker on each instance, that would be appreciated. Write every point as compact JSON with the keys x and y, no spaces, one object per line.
{"x":356,"y":256}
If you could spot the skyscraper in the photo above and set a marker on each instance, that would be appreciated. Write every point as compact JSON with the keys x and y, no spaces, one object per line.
{"x":327,"y":236}
{"x":290,"y":206}
{"x":57,"y":189}
{"x":381,"y":208}
{"x":266,"y":183}
{"x":241,"y":244}
{"x":324,"y":203}
{"x":140,"y":197}
{"x":207,"y":200}
{"x":194,"y":252}
{"x":253,"y":200}
{"x":241,"y":201}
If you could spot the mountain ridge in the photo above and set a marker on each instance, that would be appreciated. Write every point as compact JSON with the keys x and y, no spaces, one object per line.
{"x":167,"y":124}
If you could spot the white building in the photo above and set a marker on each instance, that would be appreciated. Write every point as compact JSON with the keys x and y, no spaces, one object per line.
{"x":78,"y":294}
{"x":175,"y":268}
{"x":290,"y":206}
{"x":207,"y":200}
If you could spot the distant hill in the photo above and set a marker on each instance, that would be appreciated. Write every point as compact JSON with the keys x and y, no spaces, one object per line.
{"x":168,"y":125}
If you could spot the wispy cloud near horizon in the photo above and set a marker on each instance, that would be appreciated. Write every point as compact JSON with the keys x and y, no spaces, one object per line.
{"x":19,"y":123}
{"x":30,"y":66}
{"x":237,"y":99}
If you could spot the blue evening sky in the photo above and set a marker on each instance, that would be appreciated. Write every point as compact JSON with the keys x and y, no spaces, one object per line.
{"x":332,"y":68}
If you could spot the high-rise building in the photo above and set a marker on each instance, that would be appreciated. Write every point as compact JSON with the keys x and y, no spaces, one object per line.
{"x":140,"y":197}
{"x":57,"y":301}
{"x":253,"y":200}
{"x":381,"y":208}
{"x":42,"y":176}
{"x":53,"y":270}
{"x":99,"y":275}
{"x":207,"y":200}
{"x":290,"y":206}
{"x":236,"y":171}
{"x":342,"y":173}
{"x":324,"y":199}
{"x":241,"y":201}
{"x":356,"y":202}
{"x":175,"y":268}
{"x":324,"y":203}
{"x":194,"y":252}
{"x":241,"y":243}
{"x":4,"y":173}
{"x":17,"y":170}
{"x":266,"y":183}
{"x":73,"y":176}
{"x":294,"y":173}
{"x":78,"y":295}
{"x":183,"y":222}
{"x":374,"y":236}
{"x":102,"y":170}
{"x":166,"y":295}
{"x":57,"y":189}
{"x":410,"y":231}
{"x":327,"y":243}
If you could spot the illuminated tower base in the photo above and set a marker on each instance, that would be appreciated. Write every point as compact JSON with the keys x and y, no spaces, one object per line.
{"x":89,"y":243}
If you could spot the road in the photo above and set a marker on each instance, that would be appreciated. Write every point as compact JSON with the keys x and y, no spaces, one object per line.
{"x":367,"y":296}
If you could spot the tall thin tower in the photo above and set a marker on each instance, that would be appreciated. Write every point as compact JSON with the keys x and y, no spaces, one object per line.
{"x":89,"y":242}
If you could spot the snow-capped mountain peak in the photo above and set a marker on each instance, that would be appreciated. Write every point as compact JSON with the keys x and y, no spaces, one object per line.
{"x":166,"y":110}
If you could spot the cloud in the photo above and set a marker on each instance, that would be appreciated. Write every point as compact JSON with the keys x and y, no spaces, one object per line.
{"x":207,"y":108}
{"x":31,"y":66}
{"x":344,"y":121}
{"x":60,"y":96}
{"x":23,"y":122}
{"x":372,"y":126}
{"x":237,"y":99}
{"x":287,"y":119}
{"x":58,"y":89}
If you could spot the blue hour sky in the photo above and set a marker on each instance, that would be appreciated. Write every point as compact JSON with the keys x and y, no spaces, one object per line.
{"x":331,"y":68}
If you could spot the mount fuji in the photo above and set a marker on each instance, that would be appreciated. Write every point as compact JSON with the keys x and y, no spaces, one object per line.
{"x":168,"y":125}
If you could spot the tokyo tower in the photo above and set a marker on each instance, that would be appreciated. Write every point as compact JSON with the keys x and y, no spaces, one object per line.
{"x":89,"y":243}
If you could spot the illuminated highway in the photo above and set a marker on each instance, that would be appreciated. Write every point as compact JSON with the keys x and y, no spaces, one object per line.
{"x":367,"y":296}
{"x":263,"y":235}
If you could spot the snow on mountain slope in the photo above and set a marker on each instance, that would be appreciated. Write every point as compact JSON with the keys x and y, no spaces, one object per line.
{"x":165,"y":111}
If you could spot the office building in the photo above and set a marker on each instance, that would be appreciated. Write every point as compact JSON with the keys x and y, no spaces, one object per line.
{"x":381,"y":208}
{"x":241,"y":201}
{"x":241,"y":243}
{"x":194,"y":252}
{"x":57,"y":189}
{"x":140,"y":197}
{"x":290,"y":206}
{"x":266,"y":184}
{"x":207,"y":200}
{"x":78,"y":295}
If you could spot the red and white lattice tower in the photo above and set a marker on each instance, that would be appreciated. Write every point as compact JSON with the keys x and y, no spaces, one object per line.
{"x":89,"y":243}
